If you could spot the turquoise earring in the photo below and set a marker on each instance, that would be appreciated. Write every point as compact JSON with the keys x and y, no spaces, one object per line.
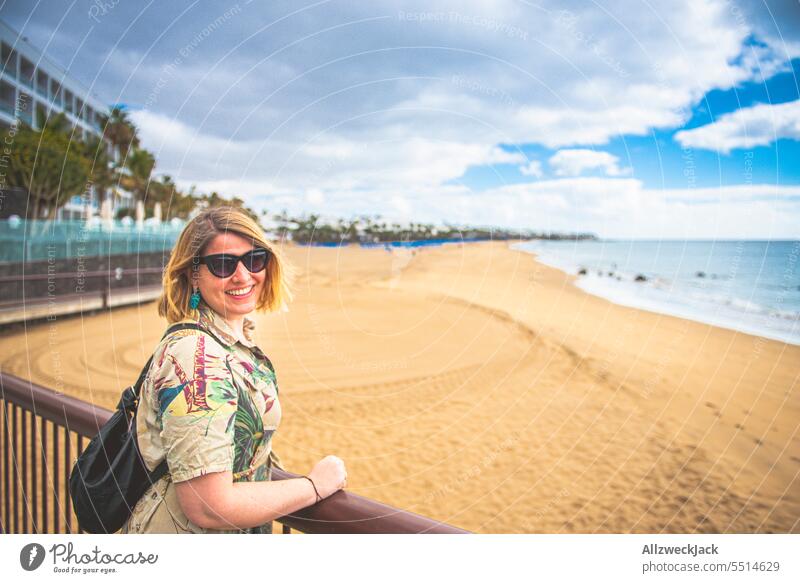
{"x":194,"y":300}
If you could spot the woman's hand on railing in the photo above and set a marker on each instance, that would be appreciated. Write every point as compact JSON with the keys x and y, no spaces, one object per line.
{"x":329,"y":475}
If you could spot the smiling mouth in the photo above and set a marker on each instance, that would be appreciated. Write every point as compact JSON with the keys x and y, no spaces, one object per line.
{"x":240,"y":292}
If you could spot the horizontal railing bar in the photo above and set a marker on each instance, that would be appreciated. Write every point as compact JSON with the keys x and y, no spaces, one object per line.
{"x":348,"y":513}
{"x":73,"y":275}
{"x":65,"y":298}
{"x":74,"y":414}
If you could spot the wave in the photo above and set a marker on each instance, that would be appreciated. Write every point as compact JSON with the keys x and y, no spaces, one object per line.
{"x":725,"y":302}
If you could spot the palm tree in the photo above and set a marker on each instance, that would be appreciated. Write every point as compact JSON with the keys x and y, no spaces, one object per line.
{"x":140,"y":163}
{"x":123,"y":136}
{"x":120,"y":131}
{"x":173,"y":201}
{"x":102,"y":173}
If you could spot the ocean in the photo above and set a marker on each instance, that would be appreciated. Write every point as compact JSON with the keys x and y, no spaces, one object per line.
{"x":749,"y":286}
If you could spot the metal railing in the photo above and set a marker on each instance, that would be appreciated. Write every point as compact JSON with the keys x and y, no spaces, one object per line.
{"x":42,"y":432}
{"x":108,"y":294}
{"x":106,"y":277}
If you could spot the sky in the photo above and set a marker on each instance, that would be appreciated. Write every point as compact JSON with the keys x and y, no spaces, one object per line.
{"x":627,"y":119}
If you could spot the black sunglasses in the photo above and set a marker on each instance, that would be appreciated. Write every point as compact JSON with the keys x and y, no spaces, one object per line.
{"x":224,"y":265}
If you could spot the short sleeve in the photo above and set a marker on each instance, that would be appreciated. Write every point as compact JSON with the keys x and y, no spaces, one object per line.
{"x":196,"y":403}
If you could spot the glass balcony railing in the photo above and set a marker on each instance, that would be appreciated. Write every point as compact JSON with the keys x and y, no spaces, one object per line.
{"x":31,"y":240}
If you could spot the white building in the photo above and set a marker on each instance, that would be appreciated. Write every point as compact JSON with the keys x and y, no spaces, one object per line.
{"x":33,"y":87}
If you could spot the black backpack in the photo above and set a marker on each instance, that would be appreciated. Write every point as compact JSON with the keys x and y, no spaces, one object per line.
{"x":110,"y":477}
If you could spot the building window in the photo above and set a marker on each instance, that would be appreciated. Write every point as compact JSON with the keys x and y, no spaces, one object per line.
{"x":8,"y":97}
{"x":79,"y":107}
{"x":42,"y":81}
{"x":25,"y":108}
{"x":55,"y":91}
{"x":27,"y":72}
{"x":69,"y":101}
{"x":8,"y":57}
{"x":94,"y":123}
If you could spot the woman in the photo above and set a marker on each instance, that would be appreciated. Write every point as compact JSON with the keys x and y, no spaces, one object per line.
{"x":209,"y":404}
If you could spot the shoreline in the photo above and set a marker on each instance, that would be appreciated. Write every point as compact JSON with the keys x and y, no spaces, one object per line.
{"x":628,"y":294}
{"x":477,"y":386}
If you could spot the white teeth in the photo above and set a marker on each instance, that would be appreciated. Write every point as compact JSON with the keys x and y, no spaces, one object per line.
{"x":239,"y":292}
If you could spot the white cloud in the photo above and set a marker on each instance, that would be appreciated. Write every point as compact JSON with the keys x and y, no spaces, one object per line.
{"x":533,"y":168}
{"x":501,"y":156}
{"x":749,"y":127}
{"x":575,"y":162}
{"x":776,"y":22}
{"x":608,"y":207}
{"x":624,"y":208}
{"x":328,"y":162}
{"x":315,"y":196}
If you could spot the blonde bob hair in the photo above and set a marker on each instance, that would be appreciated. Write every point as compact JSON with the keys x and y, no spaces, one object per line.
{"x":195,"y":237}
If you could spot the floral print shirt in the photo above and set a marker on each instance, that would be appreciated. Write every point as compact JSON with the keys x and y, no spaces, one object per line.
{"x":204,"y":407}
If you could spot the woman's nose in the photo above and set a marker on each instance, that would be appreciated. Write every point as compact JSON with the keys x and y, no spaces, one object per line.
{"x":241,"y":273}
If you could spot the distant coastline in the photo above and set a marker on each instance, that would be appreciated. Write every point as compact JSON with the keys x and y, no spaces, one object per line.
{"x":745,"y":286}
{"x":315,"y":230}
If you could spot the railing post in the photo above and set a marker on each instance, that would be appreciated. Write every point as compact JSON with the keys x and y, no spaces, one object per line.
{"x":33,"y":498}
{"x":15,"y":465}
{"x":24,"y":477}
{"x":6,"y":471}
{"x":106,"y":292}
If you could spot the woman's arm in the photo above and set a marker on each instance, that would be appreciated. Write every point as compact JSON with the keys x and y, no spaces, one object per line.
{"x":214,"y":501}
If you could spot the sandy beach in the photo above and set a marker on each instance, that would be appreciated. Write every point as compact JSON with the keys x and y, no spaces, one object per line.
{"x":471,"y":384}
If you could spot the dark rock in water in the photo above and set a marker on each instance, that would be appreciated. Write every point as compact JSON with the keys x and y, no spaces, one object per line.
{"x":619,"y":278}
{"x":610,"y":274}
{"x":582,"y":271}
{"x":700,"y":274}
{"x":640,"y":277}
